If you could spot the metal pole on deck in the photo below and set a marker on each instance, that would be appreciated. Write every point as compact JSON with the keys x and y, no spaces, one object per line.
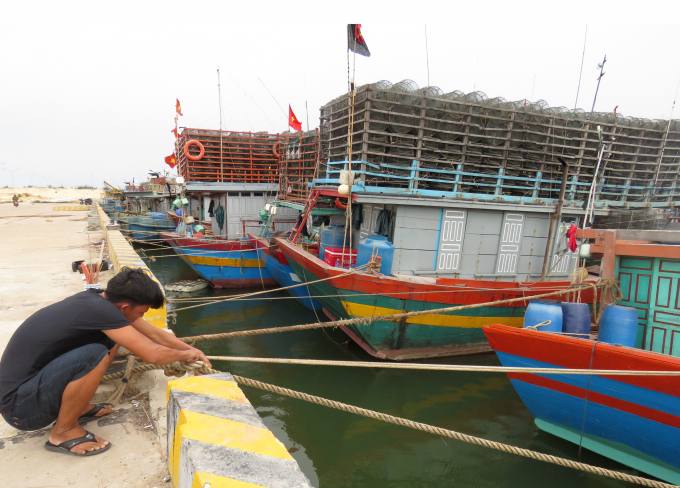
{"x":555,"y":217}
{"x":219,"y":95}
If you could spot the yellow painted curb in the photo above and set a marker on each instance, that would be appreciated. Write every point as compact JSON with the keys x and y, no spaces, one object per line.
{"x":217,"y":439}
{"x":122,"y":254}
{"x":70,"y":208}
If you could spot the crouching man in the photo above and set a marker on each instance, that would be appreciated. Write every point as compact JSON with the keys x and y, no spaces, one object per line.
{"x":55,"y":360}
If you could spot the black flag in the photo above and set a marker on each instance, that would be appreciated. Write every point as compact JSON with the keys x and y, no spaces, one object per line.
{"x":355,"y":41}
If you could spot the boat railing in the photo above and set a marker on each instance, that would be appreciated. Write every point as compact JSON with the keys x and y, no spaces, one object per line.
{"x":492,"y":185}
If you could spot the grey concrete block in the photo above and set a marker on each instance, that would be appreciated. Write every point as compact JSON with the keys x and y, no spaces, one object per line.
{"x":228,"y":462}
{"x":248,"y":467}
{"x":218,"y":407}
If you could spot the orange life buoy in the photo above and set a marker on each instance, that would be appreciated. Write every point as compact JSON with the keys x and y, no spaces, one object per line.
{"x":340,"y":205}
{"x":276,"y":150}
{"x":200,"y":148}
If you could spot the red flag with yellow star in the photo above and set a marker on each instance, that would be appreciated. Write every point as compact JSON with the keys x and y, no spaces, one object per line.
{"x":356,"y":41}
{"x":178,"y":107}
{"x":175,"y":132}
{"x":171,"y":160}
{"x":292,"y":120}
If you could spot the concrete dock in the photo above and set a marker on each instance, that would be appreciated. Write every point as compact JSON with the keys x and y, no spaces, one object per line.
{"x":36,"y":250}
{"x":212,"y":435}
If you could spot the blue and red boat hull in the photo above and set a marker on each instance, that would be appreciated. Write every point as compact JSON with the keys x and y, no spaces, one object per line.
{"x":277,"y":265}
{"x":224,"y":263}
{"x":634,"y":420}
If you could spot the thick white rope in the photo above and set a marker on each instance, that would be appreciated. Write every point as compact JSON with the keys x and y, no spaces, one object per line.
{"x":446,"y":367}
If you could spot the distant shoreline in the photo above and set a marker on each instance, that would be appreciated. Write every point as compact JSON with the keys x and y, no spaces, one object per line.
{"x":51,"y":195}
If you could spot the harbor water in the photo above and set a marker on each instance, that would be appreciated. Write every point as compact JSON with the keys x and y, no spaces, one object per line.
{"x":339,"y":449}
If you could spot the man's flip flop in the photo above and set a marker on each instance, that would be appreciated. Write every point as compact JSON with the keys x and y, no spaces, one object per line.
{"x":92,"y":413}
{"x":66,"y":446}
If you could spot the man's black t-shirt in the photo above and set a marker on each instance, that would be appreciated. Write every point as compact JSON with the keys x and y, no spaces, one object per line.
{"x":51,"y":332}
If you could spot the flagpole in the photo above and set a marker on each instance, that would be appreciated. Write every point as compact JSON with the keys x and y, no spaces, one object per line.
{"x":219,"y":94}
{"x":599,"y":79}
{"x":350,"y":125}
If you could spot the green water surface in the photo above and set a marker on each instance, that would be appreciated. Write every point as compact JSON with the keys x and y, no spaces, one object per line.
{"x":338,"y":449}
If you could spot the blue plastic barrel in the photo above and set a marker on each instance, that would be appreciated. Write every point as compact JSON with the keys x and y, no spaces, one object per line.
{"x":331,"y":236}
{"x":385,"y":251}
{"x":158,"y":215}
{"x":541,"y":310}
{"x":576,"y":318}
{"x":619,"y":325}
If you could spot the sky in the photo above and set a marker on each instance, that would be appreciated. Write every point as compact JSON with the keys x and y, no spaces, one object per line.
{"x":88,"y":89}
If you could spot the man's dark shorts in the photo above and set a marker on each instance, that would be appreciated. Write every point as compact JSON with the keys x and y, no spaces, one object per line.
{"x":39,"y":399}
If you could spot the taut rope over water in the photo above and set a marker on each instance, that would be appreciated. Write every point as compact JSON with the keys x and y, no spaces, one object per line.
{"x":367,"y":320}
{"x":499,"y":446}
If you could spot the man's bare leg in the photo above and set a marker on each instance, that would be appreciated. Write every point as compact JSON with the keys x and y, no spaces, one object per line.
{"x":106,"y":410}
{"x":74,"y":402}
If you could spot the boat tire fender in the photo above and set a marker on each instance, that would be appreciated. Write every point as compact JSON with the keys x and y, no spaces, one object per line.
{"x":198,"y":145}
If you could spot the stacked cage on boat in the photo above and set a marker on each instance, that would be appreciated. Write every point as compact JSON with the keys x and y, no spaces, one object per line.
{"x":470,"y":144}
{"x":238,"y":157}
{"x":636,"y":218}
{"x":299,"y":157}
{"x":289,"y":159}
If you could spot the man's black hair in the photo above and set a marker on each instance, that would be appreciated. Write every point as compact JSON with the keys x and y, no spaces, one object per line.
{"x":134,"y":286}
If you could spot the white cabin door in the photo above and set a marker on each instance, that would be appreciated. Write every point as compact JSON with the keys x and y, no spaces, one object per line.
{"x":510,"y":242}
{"x":451,"y":240}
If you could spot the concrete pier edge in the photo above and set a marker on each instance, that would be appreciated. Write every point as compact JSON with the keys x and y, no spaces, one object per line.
{"x":216,"y":439}
{"x":122,"y":254}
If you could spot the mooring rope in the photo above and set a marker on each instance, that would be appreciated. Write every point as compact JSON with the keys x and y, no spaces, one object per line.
{"x":365,"y":320}
{"x":390,"y":294}
{"x":499,"y":446}
{"x":446,"y":367}
{"x":609,"y":286}
{"x":236,"y":297}
{"x":177,"y":369}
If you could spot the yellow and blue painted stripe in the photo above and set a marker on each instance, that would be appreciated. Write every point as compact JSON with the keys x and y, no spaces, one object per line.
{"x":217,"y":439}
{"x":441,"y":320}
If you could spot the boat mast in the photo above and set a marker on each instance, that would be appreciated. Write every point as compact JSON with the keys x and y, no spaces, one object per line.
{"x":219,"y":96}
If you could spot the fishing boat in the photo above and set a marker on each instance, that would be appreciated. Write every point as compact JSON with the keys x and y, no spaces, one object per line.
{"x":361,"y":294}
{"x":279,"y":268}
{"x":634,"y":420}
{"x":224,"y":262}
{"x":474,"y":199}
{"x":174,"y":218}
{"x":149,"y":227}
